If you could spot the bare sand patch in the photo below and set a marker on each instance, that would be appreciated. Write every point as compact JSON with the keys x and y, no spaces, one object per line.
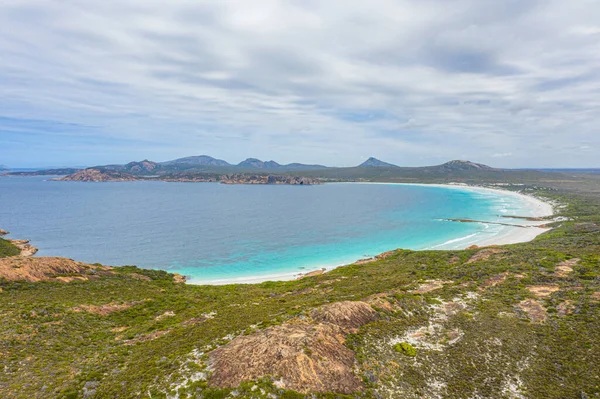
{"x":534,"y":310}
{"x":430,"y":285}
{"x":542,"y":291}
{"x":563,"y":269}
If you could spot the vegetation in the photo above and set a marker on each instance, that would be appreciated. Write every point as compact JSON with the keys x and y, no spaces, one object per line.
{"x":515,"y":323}
{"x":8,"y":249}
{"x":406,"y":348}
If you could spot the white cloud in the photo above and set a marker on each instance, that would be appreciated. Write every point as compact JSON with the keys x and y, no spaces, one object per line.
{"x":411,"y":82}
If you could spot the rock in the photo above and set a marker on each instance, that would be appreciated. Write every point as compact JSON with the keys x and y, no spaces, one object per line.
{"x":26,"y":248}
{"x":22,"y":268}
{"x":3,"y":233}
{"x":304,"y":357}
{"x":346,"y":314}
{"x":98,"y":175}
{"x":313,"y":273}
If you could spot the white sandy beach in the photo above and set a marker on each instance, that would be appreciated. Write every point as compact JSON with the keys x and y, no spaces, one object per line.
{"x":533,"y":207}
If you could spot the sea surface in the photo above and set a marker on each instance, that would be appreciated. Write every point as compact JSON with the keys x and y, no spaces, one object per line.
{"x":214,"y":233}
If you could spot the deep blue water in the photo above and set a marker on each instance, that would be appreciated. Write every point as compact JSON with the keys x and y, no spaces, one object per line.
{"x":212,"y":231}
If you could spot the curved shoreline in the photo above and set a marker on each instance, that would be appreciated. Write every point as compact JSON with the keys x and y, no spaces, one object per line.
{"x":508,"y":235}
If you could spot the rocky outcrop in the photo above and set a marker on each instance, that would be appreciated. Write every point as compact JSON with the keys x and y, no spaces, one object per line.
{"x":98,"y":175}
{"x":22,"y":268}
{"x":302,"y":356}
{"x":348,"y":315}
{"x":3,"y":233}
{"x":268,"y":179}
{"x":26,"y":248}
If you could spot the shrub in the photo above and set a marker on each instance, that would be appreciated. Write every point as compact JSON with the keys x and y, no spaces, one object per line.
{"x":405,"y":348}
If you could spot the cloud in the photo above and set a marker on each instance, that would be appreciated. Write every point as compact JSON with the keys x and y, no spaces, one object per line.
{"x":411,"y":82}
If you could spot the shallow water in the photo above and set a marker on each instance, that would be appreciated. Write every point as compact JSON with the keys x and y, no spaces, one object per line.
{"x":210,"y":231}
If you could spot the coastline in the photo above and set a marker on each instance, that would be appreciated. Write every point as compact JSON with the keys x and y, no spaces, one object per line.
{"x":526,"y":231}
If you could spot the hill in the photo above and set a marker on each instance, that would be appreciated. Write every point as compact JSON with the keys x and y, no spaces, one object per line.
{"x":204,"y":160}
{"x":374,"y":162}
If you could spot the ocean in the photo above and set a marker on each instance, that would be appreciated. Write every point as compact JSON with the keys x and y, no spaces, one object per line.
{"x":215,"y":233}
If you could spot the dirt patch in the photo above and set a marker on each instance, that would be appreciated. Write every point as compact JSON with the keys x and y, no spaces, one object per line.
{"x":542,"y":291}
{"x":22,"y":268}
{"x":453,"y":260}
{"x":565,"y":308}
{"x":485,"y":254}
{"x":430,"y":285}
{"x":534,"y":310}
{"x":147,"y":337}
{"x":70,"y":279}
{"x":563,"y":269}
{"x":141,"y":277}
{"x":304,"y":357}
{"x":384,"y":302}
{"x":494,"y":280}
{"x":347,"y":314}
{"x":596,"y":296}
{"x":169,"y":313}
{"x":112,"y":307}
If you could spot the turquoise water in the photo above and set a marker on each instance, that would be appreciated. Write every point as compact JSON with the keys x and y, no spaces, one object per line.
{"x":212,"y":232}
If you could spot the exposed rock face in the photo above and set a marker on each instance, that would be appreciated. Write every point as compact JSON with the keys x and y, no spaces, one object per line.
{"x":347,"y":314}
{"x":26,"y":248}
{"x":3,"y":233}
{"x":303,"y":356}
{"x":97,"y":175}
{"x":268,"y":179}
{"x":20,"y":268}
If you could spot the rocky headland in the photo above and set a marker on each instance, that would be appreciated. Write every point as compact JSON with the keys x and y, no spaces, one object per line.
{"x":268,"y":179}
{"x":98,"y":175}
{"x":105,"y":175}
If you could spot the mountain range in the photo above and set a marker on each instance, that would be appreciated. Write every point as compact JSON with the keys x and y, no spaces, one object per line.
{"x":209,"y":165}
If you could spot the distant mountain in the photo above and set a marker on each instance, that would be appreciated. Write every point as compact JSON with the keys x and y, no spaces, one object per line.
{"x":302,"y":166}
{"x":137,"y":168}
{"x":257,"y":163}
{"x":197,"y":160}
{"x":458,"y":165}
{"x":253,"y":163}
{"x":374,"y":162}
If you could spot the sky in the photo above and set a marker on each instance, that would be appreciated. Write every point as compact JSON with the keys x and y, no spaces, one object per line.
{"x":509,"y":83}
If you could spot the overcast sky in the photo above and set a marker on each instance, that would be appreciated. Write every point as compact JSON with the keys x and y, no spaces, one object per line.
{"x":506,"y":83}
